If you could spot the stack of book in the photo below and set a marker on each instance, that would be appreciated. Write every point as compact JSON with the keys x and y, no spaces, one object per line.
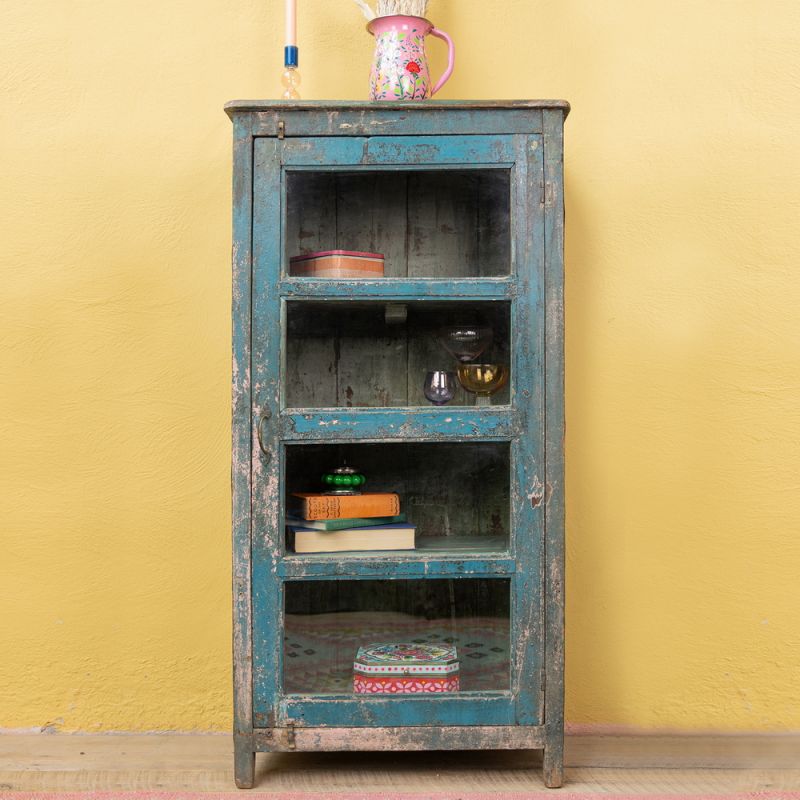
{"x":324,"y":523}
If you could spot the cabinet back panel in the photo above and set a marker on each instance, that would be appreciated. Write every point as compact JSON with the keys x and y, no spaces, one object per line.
{"x":431,"y":224}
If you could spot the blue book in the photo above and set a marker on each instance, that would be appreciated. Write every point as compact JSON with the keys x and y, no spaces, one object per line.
{"x":341,"y":524}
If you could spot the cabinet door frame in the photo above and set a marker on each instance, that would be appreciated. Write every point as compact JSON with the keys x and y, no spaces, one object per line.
{"x":523,"y":154}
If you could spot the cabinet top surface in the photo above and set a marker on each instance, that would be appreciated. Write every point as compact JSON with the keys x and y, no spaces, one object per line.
{"x":413,"y":106}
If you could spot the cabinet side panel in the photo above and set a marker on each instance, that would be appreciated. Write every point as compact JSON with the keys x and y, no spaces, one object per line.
{"x":240,"y":468}
{"x":554,"y":442}
{"x":528,"y":450}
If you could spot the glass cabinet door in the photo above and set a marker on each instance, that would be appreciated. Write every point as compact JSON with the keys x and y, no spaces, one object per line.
{"x":341,"y":375}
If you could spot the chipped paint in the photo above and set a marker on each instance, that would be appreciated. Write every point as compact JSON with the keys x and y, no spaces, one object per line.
{"x":536,"y":492}
{"x":481,"y":719}
{"x":459,"y":737}
{"x":371,"y":424}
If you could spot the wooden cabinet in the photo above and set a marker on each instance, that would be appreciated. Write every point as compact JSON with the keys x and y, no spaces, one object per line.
{"x":465,"y":202}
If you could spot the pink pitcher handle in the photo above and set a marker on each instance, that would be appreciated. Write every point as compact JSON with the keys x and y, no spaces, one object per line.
{"x":451,"y":59}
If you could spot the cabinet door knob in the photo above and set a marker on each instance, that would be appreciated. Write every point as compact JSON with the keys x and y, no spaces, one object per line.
{"x":265,"y":415}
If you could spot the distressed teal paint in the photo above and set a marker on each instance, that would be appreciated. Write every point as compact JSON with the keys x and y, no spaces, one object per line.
{"x":405,"y":738}
{"x":490,"y":708}
{"x":400,"y":289}
{"x":396,"y":119}
{"x":267,"y":537}
{"x":378,"y":424}
{"x":527,"y":450}
{"x":389,"y":122}
{"x":554,"y":447}
{"x":400,"y":565}
{"x":241,"y":445}
{"x":525,"y":137}
{"x":385,"y":151}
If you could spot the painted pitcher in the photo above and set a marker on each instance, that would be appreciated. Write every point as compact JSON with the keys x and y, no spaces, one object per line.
{"x":400,"y":67}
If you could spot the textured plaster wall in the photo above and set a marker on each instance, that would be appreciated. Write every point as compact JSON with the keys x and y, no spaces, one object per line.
{"x":683,"y":378}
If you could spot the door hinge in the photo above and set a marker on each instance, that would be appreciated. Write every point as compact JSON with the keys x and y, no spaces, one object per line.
{"x":281,"y":129}
{"x":290,"y":739}
{"x":548,"y":194}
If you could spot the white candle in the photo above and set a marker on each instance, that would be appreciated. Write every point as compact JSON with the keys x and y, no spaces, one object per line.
{"x":291,"y":23}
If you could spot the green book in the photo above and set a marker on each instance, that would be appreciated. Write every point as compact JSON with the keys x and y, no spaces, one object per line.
{"x":341,"y":524}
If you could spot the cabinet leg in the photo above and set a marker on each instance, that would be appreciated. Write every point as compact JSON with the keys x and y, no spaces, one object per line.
{"x":553,"y":763}
{"x":244,"y":767}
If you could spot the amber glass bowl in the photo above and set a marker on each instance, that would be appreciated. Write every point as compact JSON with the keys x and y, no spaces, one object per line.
{"x":482,"y":379}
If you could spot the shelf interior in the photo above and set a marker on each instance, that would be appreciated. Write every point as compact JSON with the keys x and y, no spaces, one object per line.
{"x":427,"y":223}
{"x":355,"y":354}
{"x":456,"y":494}
{"x":327,"y":621}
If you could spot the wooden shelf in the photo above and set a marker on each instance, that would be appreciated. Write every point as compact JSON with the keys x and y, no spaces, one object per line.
{"x":431,"y":559}
{"x":399,"y":288}
{"x":478,"y":545}
{"x":411,"y":422}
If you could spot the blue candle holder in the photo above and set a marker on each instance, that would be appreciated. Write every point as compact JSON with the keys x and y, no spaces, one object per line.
{"x":291,"y":77}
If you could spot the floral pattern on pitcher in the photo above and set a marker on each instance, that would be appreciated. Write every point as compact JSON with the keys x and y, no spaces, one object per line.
{"x":400,"y":68}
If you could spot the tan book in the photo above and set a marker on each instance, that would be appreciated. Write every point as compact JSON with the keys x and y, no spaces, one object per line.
{"x":337,"y":506}
{"x":381,"y":537}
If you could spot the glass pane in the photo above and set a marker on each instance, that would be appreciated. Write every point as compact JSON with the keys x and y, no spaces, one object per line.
{"x":427,"y":224}
{"x":454,"y":494}
{"x":328,"y":621}
{"x":355,"y":355}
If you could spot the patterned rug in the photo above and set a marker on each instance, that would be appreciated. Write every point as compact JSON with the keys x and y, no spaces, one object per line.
{"x":319,"y":648}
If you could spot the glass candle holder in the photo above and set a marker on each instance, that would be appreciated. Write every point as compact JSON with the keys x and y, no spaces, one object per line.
{"x":483,"y":380}
{"x":291,"y":83}
{"x":440,"y":387}
{"x":466,"y":341}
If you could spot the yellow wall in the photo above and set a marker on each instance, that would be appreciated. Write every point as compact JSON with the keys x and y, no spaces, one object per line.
{"x":683,"y":344}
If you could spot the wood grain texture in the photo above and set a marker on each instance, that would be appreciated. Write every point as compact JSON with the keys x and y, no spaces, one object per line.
{"x":528,"y":449}
{"x":244,"y":762}
{"x":310,"y":214}
{"x":418,"y":564}
{"x":464,"y":710}
{"x":405,"y":738}
{"x":401,"y":289}
{"x":379,"y":424}
{"x":371,"y":216}
{"x":241,"y":425}
{"x":635,"y":765}
{"x":442,"y":224}
{"x":397,"y":119}
{"x":554,"y":447}
{"x":266,"y":506}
